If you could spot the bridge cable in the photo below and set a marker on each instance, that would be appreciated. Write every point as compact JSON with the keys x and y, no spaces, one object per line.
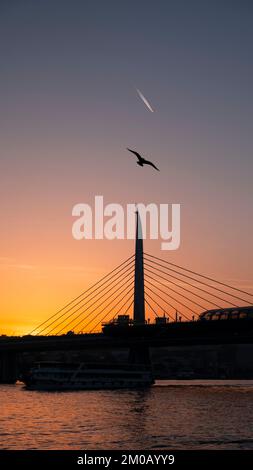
{"x":173,"y":298}
{"x":130,"y":305}
{"x":84,"y":292}
{"x":166,"y":302}
{"x":188,"y":283}
{"x":114,"y":307}
{"x":162,"y":308}
{"x":102,"y":303}
{"x":94,"y":303}
{"x":150,"y":306}
{"x":126,"y":309}
{"x":125,"y":274}
{"x":173,"y":290}
{"x":84,"y":301}
{"x":202,"y":282}
{"x":205,"y":277}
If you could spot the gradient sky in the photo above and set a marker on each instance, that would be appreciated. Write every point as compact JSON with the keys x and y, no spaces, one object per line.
{"x":69,"y":70}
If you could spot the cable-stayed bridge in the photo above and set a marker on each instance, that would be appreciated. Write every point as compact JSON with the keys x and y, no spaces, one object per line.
{"x":145,"y":292}
{"x":145,"y":287}
{"x":170,"y":290}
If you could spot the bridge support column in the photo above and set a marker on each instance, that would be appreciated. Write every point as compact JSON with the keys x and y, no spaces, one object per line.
{"x":8,"y":367}
{"x":139,"y":299}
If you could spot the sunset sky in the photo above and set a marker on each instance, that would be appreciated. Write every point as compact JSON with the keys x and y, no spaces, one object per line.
{"x":69,"y":108}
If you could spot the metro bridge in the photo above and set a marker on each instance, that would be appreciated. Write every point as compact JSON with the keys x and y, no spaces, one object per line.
{"x":142,"y":284}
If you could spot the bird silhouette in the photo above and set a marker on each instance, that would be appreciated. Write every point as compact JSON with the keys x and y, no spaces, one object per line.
{"x":142,"y":161}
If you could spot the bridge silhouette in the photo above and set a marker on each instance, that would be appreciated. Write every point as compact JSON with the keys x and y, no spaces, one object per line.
{"x":140,"y":287}
{"x":140,"y":284}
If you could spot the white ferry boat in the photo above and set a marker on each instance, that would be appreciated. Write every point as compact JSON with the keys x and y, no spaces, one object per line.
{"x":80,"y":376}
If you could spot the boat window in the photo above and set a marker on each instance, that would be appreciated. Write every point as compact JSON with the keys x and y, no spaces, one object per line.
{"x":207,"y":316}
{"x":243,"y":315}
{"x":223,"y":316}
{"x":215,"y":316}
{"x":234,"y":314}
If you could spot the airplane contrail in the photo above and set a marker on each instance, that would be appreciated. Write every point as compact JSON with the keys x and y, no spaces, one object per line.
{"x":145,"y":101}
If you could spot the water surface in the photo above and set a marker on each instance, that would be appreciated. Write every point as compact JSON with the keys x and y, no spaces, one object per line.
{"x":170,"y":415}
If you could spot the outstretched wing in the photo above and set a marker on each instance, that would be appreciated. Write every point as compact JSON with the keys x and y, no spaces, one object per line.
{"x":151,"y":164}
{"x":136,"y":153}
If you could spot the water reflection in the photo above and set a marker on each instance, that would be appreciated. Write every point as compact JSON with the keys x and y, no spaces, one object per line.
{"x":179,"y":416}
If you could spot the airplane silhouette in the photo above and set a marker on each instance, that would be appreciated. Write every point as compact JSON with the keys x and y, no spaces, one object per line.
{"x":142,"y":161}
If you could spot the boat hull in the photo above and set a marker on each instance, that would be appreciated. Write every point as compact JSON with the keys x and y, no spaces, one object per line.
{"x":76,"y":387}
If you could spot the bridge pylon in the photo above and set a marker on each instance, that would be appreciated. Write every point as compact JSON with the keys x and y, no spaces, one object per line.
{"x":139,"y":294}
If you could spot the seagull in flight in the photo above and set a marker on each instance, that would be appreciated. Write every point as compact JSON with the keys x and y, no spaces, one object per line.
{"x":142,"y":161}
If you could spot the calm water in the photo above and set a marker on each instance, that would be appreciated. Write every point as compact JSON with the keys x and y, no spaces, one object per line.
{"x":175,"y":415}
